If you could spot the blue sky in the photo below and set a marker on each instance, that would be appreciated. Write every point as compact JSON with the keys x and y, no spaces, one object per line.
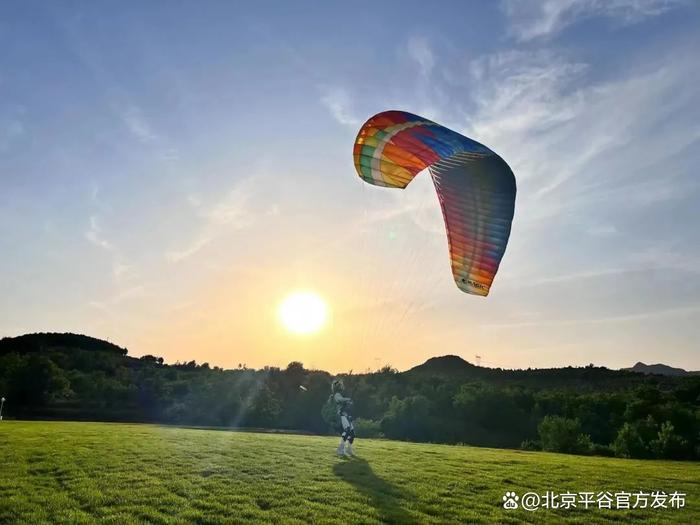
{"x":170,"y":170}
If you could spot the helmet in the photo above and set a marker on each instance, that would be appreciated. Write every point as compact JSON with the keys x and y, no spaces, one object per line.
{"x":337,"y":386}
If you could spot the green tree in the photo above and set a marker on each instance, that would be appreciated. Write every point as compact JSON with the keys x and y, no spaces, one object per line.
{"x":629,"y":443}
{"x":668,"y":444}
{"x":408,"y":418}
{"x":559,"y":434}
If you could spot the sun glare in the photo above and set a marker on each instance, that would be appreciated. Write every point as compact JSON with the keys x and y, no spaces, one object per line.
{"x":303,"y":312}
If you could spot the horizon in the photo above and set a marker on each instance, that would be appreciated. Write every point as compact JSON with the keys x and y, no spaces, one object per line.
{"x":172,"y":175}
{"x":351,"y":371}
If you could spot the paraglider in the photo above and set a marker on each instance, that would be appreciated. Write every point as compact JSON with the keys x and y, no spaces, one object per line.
{"x":475,"y":187}
{"x":342,"y":406}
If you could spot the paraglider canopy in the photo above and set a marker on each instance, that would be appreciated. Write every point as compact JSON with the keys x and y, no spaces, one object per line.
{"x":475,"y":187}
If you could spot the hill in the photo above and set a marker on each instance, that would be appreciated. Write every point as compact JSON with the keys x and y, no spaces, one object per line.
{"x":660,"y":369}
{"x":446,"y":364}
{"x":451,"y":367}
{"x":116,"y":473}
{"x":41,"y":342}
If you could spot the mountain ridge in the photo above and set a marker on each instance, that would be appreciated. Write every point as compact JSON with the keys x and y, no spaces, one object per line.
{"x":448,"y":364}
{"x":661,"y":369}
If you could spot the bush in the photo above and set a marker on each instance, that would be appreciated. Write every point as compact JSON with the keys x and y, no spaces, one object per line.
{"x":584,"y":445}
{"x":530,"y":444}
{"x":408,"y":418}
{"x":366,"y":428}
{"x":668,"y":444}
{"x":329,"y":413}
{"x":602,"y":450}
{"x":629,"y":443}
{"x":559,"y":434}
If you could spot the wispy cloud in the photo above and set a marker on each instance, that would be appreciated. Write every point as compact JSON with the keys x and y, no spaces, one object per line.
{"x":337,"y":102}
{"x":568,"y":277}
{"x":125,"y":275}
{"x":230,"y":213}
{"x":544,"y":18}
{"x":641,"y":262}
{"x":419,"y":203}
{"x":121,"y":270}
{"x":664,"y":256}
{"x":419,"y":50}
{"x":94,"y":235}
{"x":523,"y":91}
{"x":554,"y":125}
{"x":137,"y":124}
{"x":612,"y":319}
{"x":138,"y":290}
{"x":122,"y":295}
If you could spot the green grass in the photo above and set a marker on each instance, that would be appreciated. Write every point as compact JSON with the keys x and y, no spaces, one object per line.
{"x":115,"y":473}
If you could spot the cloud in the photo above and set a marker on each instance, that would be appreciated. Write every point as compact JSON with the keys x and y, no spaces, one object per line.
{"x":419,"y":50}
{"x":539,"y":19}
{"x":640,"y":316}
{"x":570,"y":277}
{"x":124,"y":275}
{"x":94,"y":235}
{"x":516,"y":91}
{"x":194,"y":200}
{"x":170,"y":155}
{"x":99,"y":305}
{"x":663,"y":256}
{"x":663,"y":259}
{"x":121,"y":270}
{"x":233,"y":212}
{"x":418,"y":202}
{"x":138,"y":126}
{"x":541,"y":112}
{"x":337,"y":102}
{"x":120,"y":296}
{"x":129,"y":293}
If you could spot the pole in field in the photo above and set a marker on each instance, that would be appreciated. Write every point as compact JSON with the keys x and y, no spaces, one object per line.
{"x":2,"y":402}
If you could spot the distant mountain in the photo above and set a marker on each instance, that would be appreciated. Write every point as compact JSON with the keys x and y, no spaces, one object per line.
{"x":454,"y":368}
{"x":661,"y":369}
{"x":41,"y":342}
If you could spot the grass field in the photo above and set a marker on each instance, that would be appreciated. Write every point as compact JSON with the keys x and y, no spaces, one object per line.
{"x":115,"y":473}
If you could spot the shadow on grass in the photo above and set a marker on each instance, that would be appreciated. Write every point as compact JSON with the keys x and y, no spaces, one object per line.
{"x":384,"y":496}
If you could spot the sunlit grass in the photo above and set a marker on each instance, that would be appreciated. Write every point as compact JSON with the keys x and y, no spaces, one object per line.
{"x":114,"y":473}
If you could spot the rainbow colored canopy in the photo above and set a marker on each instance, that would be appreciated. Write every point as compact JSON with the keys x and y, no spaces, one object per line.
{"x":475,"y":187}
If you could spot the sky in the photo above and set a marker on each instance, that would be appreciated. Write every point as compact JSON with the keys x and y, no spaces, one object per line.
{"x":170,"y":171}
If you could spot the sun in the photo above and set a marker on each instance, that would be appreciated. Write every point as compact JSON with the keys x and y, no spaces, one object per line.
{"x":303,"y":312}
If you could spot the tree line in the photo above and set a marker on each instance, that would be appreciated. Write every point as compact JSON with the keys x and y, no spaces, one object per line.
{"x":586,"y":410}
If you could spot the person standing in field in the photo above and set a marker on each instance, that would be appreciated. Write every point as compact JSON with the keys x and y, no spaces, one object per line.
{"x":342,"y":406}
